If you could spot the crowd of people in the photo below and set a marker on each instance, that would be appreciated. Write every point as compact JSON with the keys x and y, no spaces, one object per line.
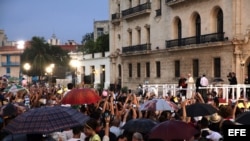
{"x":116,"y":108}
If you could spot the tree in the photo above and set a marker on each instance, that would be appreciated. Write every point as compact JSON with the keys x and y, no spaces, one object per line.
{"x":90,"y":46}
{"x":40,"y":54}
{"x":102,"y":43}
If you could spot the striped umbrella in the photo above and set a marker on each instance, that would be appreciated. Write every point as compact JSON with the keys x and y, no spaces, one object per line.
{"x":46,"y":120}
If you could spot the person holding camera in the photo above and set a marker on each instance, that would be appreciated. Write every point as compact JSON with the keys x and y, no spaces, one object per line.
{"x":232,"y":81}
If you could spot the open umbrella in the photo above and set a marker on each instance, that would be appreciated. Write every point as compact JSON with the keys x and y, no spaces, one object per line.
{"x":156,"y":105}
{"x":13,"y":88}
{"x":139,"y":125}
{"x":200,"y":109}
{"x":243,"y":118}
{"x":172,"y":130}
{"x":173,"y":105}
{"x":45,"y":120}
{"x":81,"y":96}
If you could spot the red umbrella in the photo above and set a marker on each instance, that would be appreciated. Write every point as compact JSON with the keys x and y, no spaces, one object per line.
{"x":172,"y":130}
{"x":81,"y":96}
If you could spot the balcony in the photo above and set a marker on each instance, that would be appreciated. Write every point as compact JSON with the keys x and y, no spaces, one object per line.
{"x":214,"y":37}
{"x":10,"y":64}
{"x":136,"y":11}
{"x":158,"y":12}
{"x":136,"y":48}
{"x":116,"y":17}
{"x":173,"y":2}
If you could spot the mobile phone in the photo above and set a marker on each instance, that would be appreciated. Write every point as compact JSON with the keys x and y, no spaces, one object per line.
{"x":134,"y":106}
{"x":183,"y":98}
{"x":129,"y":91}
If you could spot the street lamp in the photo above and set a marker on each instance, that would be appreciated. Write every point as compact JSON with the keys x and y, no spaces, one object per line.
{"x":20,"y":46}
{"x":49,"y":70}
{"x":27,"y":67}
{"x":74,"y":63}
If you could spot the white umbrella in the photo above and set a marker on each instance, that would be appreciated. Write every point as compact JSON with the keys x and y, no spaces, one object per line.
{"x":14,"y":88}
{"x":156,"y":105}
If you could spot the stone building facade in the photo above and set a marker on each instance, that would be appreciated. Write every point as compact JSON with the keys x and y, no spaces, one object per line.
{"x":156,"y":41}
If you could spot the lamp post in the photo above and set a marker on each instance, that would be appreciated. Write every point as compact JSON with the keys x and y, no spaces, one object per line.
{"x":49,"y":70}
{"x":27,"y":67}
{"x":20,"y":46}
{"x":74,"y":63}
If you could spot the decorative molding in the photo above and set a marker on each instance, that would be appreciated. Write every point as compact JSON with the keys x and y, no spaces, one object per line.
{"x":147,"y":26}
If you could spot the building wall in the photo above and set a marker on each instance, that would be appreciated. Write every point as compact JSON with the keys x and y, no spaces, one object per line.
{"x":233,"y":51}
{"x":96,"y":60}
{"x":101,"y":24}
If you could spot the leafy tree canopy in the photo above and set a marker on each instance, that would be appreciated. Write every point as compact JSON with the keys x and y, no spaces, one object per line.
{"x":40,"y":54}
{"x":90,"y":46}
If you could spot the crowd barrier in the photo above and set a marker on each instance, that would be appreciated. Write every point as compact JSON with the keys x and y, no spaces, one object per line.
{"x":221,"y":90}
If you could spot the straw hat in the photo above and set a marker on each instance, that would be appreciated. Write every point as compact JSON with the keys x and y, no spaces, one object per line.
{"x":215,"y":118}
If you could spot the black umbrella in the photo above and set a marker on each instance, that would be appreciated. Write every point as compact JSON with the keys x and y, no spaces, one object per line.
{"x":243,"y":118}
{"x":139,"y":125}
{"x":45,"y":120}
{"x":172,"y":130}
{"x":200,"y":109}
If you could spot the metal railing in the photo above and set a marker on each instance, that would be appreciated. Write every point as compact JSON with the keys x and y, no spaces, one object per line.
{"x":10,"y":63}
{"x":136,"y":9}
{"x":173,"y":89}
{"x":214,"y":37}
{"x":115,"y":16}
{"x":141,"y":47}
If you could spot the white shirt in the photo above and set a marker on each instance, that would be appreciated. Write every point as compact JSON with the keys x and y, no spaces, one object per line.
{"x":204,"y":81}
{"x":116,"y":130}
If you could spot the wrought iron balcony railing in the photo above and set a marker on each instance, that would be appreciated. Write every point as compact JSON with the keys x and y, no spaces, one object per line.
{"x":173,"y":2}
{"x":136,"y":48}
{"x":115,"y":16}
{"x":6,"y":64}
{"x":214,"y":37}
{"x":138,"y":9}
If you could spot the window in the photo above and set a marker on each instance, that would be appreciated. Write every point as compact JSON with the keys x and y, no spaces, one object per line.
{"x":99,"y":32}
{"x":8,"y":60}
{"x":198,"y":28}
{"x":139,"y":36}
{"x":147,"y":69}
{"x":130,"y":3}
{"x":158,"y":69}
{"x":119,"y":70}
{"x":177,"y":68}
{"x":148,"y":35}
{"x":130,"y":38}
{"x":179,"y":32}
{"x":195,"y":67}
{"x":130,"y":70}
{"x":93,"y":74}
{"x":8,"y":70}
{"x":220,"y":21}
{"x":102,"y":75}
{"x":138,"y":69}
{"x":217,"y":67}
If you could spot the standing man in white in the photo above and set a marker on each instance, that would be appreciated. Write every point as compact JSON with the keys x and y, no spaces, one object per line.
{"x":190,"y":86}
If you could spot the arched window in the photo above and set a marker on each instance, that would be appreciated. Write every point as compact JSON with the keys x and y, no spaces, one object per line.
{"x":220,"y":21}
{"x":179,"y":32}
{"x":198,"y":28}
